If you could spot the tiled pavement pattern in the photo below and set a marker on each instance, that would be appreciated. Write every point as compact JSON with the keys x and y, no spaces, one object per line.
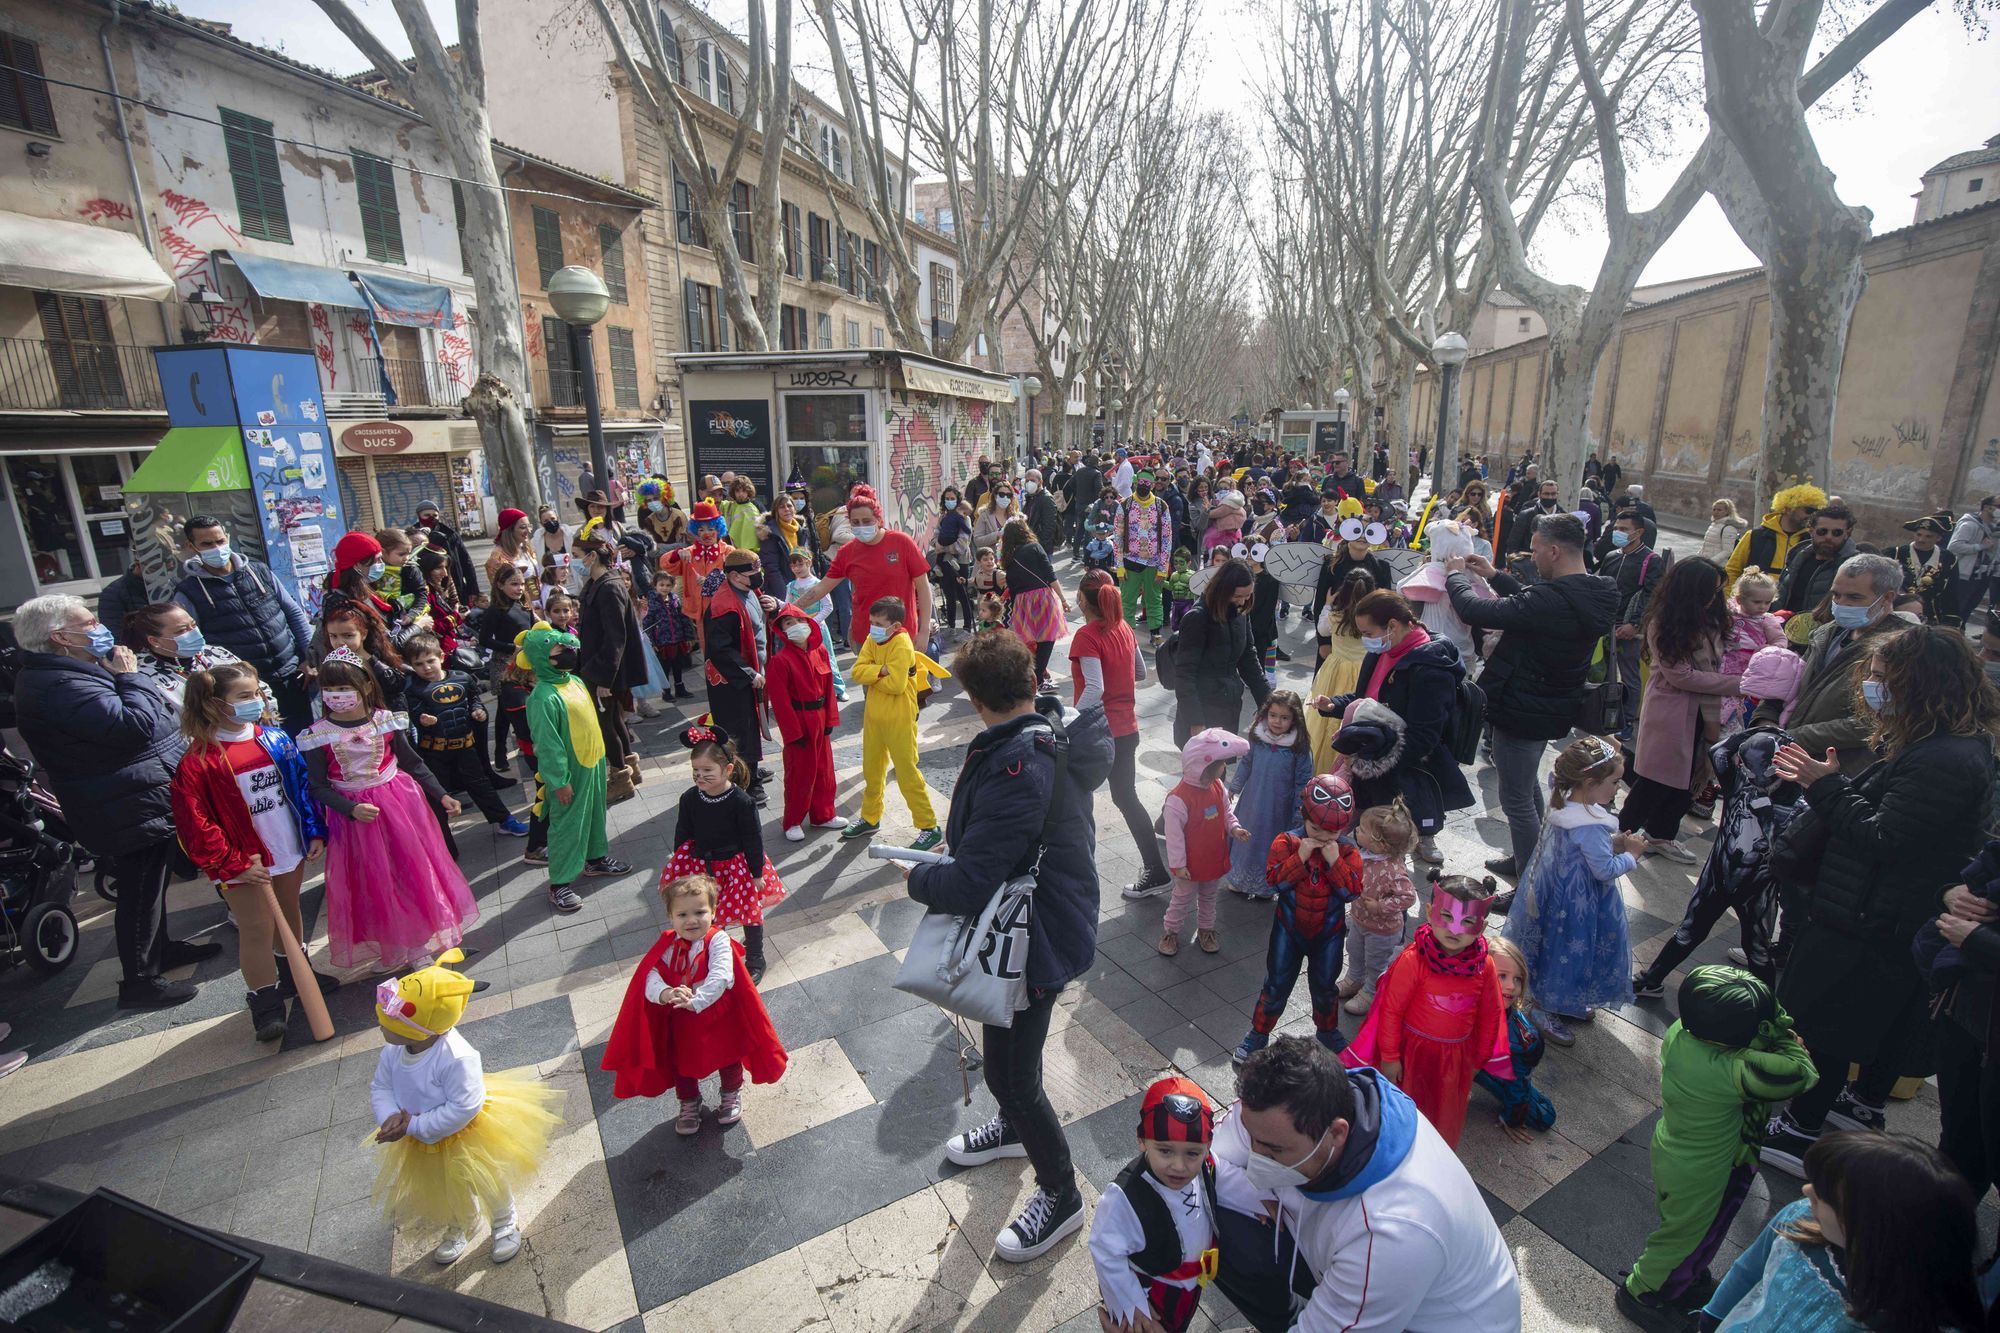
{"x":830,"y":1207}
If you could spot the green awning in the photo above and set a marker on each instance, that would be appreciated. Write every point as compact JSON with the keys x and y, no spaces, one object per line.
{"x":193,"y":459}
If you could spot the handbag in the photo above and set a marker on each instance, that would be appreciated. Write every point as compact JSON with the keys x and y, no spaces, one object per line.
{"x":976,"y":966}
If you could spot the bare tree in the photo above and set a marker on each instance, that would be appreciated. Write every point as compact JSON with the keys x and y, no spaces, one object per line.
{"x":450,"y":94}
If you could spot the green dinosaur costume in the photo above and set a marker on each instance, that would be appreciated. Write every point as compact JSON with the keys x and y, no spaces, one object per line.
{"x":569,"y":752}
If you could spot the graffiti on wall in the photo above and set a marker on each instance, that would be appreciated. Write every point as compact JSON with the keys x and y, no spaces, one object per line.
{"x":189,"y":258}
{"x":931,"y":441}
{"x":106,"y":210}
{"x":157,"y":540}
{"x":322,"y":336}
{"x":1892,"y":461}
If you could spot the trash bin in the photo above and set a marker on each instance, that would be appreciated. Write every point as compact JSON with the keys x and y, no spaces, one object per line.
{"x":112,"y":1264}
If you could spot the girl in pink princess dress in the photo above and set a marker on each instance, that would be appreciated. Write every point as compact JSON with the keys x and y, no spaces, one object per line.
{"x":394,"y":896}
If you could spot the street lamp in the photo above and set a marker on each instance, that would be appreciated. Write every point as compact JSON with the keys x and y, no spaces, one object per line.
{"x":1031,"y":388}
{"x":580,"y":299}
{"x":1340,"y":397}
{"x":1449,"y":351}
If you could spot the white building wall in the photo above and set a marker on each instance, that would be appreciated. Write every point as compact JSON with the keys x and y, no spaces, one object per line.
{"x":550,"y":91}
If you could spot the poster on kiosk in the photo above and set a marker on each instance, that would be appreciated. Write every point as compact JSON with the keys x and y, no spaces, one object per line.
{"x":248,"y":443}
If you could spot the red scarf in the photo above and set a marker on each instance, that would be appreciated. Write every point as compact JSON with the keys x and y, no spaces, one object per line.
{"x":1465,"y":963}
{"x":1386,"y":662}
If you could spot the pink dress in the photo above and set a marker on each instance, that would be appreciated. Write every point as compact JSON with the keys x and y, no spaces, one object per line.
{"x":1746,"y":635}
{"x":393,"y":893}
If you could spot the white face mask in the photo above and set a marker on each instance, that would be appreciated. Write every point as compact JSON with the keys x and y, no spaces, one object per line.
{"x":1271,"y":1175}
{"x":1031,"y":486}
{"x":798,"y":633}
{"x":867,"y":533}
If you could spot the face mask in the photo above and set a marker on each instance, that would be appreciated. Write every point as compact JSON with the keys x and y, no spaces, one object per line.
{"x":879,"y":633}
{"x":216,"y":557}
{"x":340,"y":701}
{"x":1270,"y":1175}
{"x":429,"y":521}
{"x":563,"y":658}
{"x":189,"y":643}
{"x":1374,"y":645}
{"x":1031,"y":486}
{"x":756,"y":579}
{"x":798,"y":633}
{"x":248,"y":710}
{"x":102,"y":641}
{"x":1620,"y":537}
{"x":550,"y":525}
{"x":951,"y":502}
{"x":1876,"y":695}
{"x":867,"y":533}
{"x":1142,"y":491}
{"x":1853,"y":617}
{"x":655,"y":505}
{"x":1003,"y":501}
{"x":375,"y":571}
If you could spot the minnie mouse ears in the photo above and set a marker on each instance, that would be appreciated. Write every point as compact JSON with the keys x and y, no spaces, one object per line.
{"x":695,"y":733}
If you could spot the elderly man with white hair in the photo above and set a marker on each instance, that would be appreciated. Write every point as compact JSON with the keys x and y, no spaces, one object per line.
{"x":108,"y":742}
{"x":1039,"y":508}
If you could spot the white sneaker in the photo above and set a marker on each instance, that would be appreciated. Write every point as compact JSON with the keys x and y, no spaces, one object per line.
{"x":795,"y":834}
{"x":506,"y":1242}
{"x":838,"y":821}
{"x":451,"y":1247}
{"x":1674,"y":851}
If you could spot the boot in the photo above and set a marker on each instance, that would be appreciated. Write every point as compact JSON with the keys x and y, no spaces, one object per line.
{"x":267,"y":1012}
{"x":753,"y":952}
{"x":287,"y":991}
{"x":618,"y":787}
{"x":632,"y":767}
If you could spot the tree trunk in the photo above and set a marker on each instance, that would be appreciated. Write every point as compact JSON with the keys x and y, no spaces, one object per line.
{"x":503,"y":433}
{"x":1396,"y":405}
{"x":1813,"y":293}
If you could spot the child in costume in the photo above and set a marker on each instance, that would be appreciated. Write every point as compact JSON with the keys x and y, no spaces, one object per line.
{"x":393,"y":893}
{"x":1226,"y":514}
{"x":717,"y":833}
{"x":693,"y":563}
{"x":242,"y":812}
{"x":1152,"y":1239}
{"x":893,"y":672}
{"x":1339,"y":670}
{"x":799,"y":681}
{"x":992,"y":613}
{"x":803,"y":579}
{"x":669,"y":630}
{"x":1751,"y":627}
{"x":1199,"y":824}
{"x":1523,"y":1107}
{"x":569,"y":764}
{"x":458,"y":1141}
{"x":1316,"y":874}
{"x":1724,"y":1064}
{"x":988,"y":579}
{"x":1438,"y":1017}
{"x":1425,"y":588}
{"x":1099,"y":552}
{"x":1569,"y":919}
{"x":1757,"y":805}
{"x":693,"y":1009}
{"x":445,"y":704}
{"x":1180,"y":597}
{"x":1380,"y":924}
{"x":736,"y":659}
{"x":1267,"y":785}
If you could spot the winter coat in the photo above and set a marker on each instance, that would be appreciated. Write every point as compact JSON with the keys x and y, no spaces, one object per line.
{"x":1766,"y":546}
{"x":1967,"y":544}
{"x":1823,"y":714}
{"x":1042,"y":516}
{"x":246,"y":610}
{"x":120,"y":598}
{"x":1808,"y":578}
{"x":1676,"y":692}
{"x":1534,"y":676}
{"x":1213,"y":663}
{"x":108,"y":743}
{"x":1422,"y":690}
{"x":613,"y":644}
{"x":1964,"y":976}
{"x":1005,"y":801}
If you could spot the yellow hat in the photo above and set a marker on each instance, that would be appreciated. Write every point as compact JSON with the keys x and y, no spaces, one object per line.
{"x":1349,"y":507}
{"x":1803,"y":495}
{"x":426,"y":1003}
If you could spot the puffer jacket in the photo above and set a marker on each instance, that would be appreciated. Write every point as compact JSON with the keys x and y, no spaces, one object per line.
{"x":108,"y":743}
{"x":249,"y":612}
{"x":1422,"y":690}
{"x":1534,"y":678}
{"x":1002,"y":801}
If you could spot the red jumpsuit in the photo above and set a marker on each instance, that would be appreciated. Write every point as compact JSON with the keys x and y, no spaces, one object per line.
{"x":798,"y":681}
{"x":1444,"y":1026}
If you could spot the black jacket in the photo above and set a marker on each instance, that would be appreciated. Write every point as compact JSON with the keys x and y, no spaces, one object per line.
{"x":1213,"y":663}
{"x":108,"y":743}
{"x":1086,"y":484}
{"x":1005,"y":795}
{"x":1534,"y":678}
{"x":1422,"y":689}
{"x":1044,"y":519}
{"x":1807,"y":578}
{"x":1334,"y":571}
{"x":609,"y":632}
{"x":463,"y":572}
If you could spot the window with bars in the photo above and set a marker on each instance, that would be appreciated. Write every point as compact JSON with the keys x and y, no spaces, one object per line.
{"x":76,"y":334}
{"x":823,"y":328}
{"x":624,"y":367}
{"x":795,"y":245}
{"x":740,"y":203}
{"x":24,"y":93}
{"x":381,"y":223}
{"x":611,"y":258}
{"x":548,"y":243}
{"x":565,"y":390}
{"x":792,"y":328}
{"x":253,"y":170}
{"x":687,"y":218}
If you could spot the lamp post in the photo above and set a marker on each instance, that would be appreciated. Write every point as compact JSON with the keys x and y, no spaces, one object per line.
{"x":1031,"y":387}
{"x":1449,"y":351}
{"x":1340,"y":399}
{"x":580,"y":299}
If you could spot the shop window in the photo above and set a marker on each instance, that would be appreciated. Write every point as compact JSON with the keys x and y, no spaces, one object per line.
{"x":826,"y":442}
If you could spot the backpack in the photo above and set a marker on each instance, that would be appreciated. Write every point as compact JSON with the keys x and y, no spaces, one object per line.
{"x":1091,"y":750}
{"x":1468,"y":721}
{"x":1163,"y":661}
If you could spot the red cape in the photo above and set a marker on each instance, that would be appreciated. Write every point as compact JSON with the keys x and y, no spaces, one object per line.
{"x":652,"y":1045}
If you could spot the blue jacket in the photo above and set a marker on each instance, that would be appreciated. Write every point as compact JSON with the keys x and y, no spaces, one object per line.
{"x":249,"y":612}
{"x":1000,"y":804}
{"x":108,"y":743}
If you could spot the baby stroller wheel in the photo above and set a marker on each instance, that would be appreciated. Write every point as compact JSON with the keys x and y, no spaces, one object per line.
{"x":48,"y":937}
{"x":107,"y":888}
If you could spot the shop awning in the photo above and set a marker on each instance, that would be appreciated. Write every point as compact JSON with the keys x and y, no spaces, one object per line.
{"x":193,"y":459}
{"x":49,"y":255}
{"x":285,"y":280}
{"x":404,"y":301}
{"x":958,"y":381}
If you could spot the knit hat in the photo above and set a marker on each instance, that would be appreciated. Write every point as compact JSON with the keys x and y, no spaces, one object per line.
{"x":1176,"y":1110}
{"x":426,"y":1003}
{"x":422,"y":505}
{"x":354,"y":548}
{"x":1773,"y":672}
{"x":507,"y":518}
{"x":1371,"y":736}
{"x":1725,"y":1005}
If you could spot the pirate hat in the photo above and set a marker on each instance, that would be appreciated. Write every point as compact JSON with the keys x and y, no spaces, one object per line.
{"x":1938,"y":524}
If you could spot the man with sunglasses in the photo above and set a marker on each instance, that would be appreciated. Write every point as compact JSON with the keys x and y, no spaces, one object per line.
{"x":1808,"y":575}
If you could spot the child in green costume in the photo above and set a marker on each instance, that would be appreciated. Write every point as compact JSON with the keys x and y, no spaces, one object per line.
{"x":569,"y":761}
{"x":1179,"y":595}
{"x":1722,"y":1066}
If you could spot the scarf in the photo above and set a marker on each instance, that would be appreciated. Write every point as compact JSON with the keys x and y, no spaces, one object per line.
{"x":1466,"y":963}
{"x":1387,"y":662}
{"x":789,"y":530}
{"x":1289,"y":740}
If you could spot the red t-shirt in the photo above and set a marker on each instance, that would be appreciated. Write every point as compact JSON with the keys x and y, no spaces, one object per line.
{"x":1114,"y":653}
{"x":889,"y":567}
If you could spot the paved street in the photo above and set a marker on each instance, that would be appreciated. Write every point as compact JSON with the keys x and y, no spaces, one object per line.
{"x":830,"y":1207}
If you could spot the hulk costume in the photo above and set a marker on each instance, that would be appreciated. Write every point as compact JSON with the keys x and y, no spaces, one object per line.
{"x":569,"y":752}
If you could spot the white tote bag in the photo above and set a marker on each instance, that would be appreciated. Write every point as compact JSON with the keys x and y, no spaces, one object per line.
{"x":974,"y":966}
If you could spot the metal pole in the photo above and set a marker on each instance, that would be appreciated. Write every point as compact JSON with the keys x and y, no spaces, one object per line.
{"x":586,"y":369}
{"x":1447,"y":379}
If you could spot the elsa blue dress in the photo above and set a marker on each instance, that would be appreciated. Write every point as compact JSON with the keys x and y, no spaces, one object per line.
{"x":1781,"y":1286}
{"x":1569,"y":920}
{"x":1266,"y":786}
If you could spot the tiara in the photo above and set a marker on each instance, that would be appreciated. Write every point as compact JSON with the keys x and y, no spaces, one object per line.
{"x":344,"y":654}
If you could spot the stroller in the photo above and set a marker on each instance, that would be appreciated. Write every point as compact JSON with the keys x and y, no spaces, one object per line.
{"x":37,"y":876}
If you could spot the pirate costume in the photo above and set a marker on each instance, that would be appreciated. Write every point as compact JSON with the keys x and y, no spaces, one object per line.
{"x":1932,"y":574}
{"x":1154,"y":1244}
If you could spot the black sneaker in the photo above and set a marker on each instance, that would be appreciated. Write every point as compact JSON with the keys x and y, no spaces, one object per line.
{"x":1651,"y":1313}
{"x":1041,"y":1224}
{"x":153,"y":993}
{"x":181,"y":953}
{"x":753,"y":964}
{"x":1645,"y":988}
{"x":606,"y":866}
{"x":1504,"y":867}
{"x":286,"y":990}
{"x":1785,"y":1146}
{"x":1850,"y":1112}
{"x":1154,"y":882}
{"x":1503,"y":903}
{"x":989,"y":1143}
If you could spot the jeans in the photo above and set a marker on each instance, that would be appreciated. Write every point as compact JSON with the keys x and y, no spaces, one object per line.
{"x":1628,"y":675}
{"x":843,"y":609}
{"x":140,"y":922}
{"x":1125,"y":795}
{"x":1518,"y":762}
{"x":1014,"y":1077}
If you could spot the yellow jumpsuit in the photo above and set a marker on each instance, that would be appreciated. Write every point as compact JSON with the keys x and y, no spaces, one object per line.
{"x":892,"y":673}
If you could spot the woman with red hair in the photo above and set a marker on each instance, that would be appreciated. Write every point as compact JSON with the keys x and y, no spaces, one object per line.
{"x":1105,"y":665}
{"x":880,"y":563}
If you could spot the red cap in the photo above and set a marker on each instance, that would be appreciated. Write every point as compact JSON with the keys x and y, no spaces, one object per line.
{"x":704,"y":511}
{"x":509,"y":517}
{"x":1176,"y":1111}
{"x":353,"y":549}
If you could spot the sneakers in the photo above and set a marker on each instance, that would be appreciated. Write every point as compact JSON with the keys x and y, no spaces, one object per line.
{"x":1357,"y":1004}
{"x":689,"y":1120}
{"x":606,"y":867}
{"x":454,"y":1244}
{"x":1674,"y":851}
{"x":731,"y":1109}
{"x":1503,"y":903}
{"x":1645,"y":988}
{"x":1208,"y":941}
{"x":513,"y":826}
{"x":1738,"y":957}
{"x":1651,"y":1313}
{"x":988,"y":1143}
{"x":1504,"y":867}
{"x":562,"y":898}
{"x":1041,"y":1224}
{"x":1152,"y":884}
{"x":1427,"y":851}
{"x":859,"y":828}
{"x":506,"y":1240}
{"x":1332,"y":1038}
{"x":1850,"y":1112}
{"x":267,"y":1012}
{"x":1554,"y":1028}
{"x":536,"y":856}
{"x":153,"y":993}
{"x":1786,"y":1145}
{"x":1170,"y":944}
{"x":1349,"y":987}
{"x":795,"y":833}
{"x":1252,"y":1043}
{"x":838,"y":821}
{"x":927,"y":839}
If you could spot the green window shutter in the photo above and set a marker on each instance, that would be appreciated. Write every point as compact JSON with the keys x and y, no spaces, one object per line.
{"x":624,"y":368}
{"x":458,"y":221}
{"x":691,"y":312}
{"x":381,"y":223}
{"x":611,"y":248}
{"x":548,"y":243}
{"x":253,"y":170}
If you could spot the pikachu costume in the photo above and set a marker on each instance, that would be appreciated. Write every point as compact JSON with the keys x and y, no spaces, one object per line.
{"x":471,"y":1137}
{"x":894,"y":673}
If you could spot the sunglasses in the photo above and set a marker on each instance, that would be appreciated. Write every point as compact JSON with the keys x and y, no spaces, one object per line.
{"x":1830,"y":532}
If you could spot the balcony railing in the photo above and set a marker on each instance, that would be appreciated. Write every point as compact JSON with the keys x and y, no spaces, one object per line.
{"x":562,"y":390}
{"x":77,"y":377}
{"x":416,"y":382}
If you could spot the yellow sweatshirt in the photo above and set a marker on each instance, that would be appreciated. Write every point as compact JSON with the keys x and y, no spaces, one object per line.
{"x":893,"y":673}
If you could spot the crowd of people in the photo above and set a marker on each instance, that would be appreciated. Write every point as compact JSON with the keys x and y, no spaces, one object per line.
{"x":1816,"y":702}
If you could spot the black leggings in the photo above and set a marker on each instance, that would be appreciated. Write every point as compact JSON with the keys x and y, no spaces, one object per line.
{"x":1704,"y":910}
{"x":1014,"y":1077}
{"x":957,"y":596}
{"x":1969,"y":1106}
{"x":1808,"y":1109}
{"x":1043,"y":651}
{"x":1654,"y":807}
{"x":1125,"y":795}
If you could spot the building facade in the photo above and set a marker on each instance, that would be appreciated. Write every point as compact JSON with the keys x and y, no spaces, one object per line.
{"x":1963,"y":180}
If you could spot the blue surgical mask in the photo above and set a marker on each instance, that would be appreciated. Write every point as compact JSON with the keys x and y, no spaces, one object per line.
{"x":1620,"y":537}
{"x":1876,"y":695}
{"x":216,"y":557}
{"x":248,"y":710}
{"x":1853,"y":617}
{"x":375,"y":572}
{"x":102,"y":641}
{"x":879,"y":633}
{"x":951,"y":502}
{"x":1374,"y":645}
{"x":189,"y":643}
{"x":655,"y":505}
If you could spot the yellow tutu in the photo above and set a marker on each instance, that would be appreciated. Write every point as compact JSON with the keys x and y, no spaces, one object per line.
{"x":1339,"y":674}
{"x":451,"y":1182}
